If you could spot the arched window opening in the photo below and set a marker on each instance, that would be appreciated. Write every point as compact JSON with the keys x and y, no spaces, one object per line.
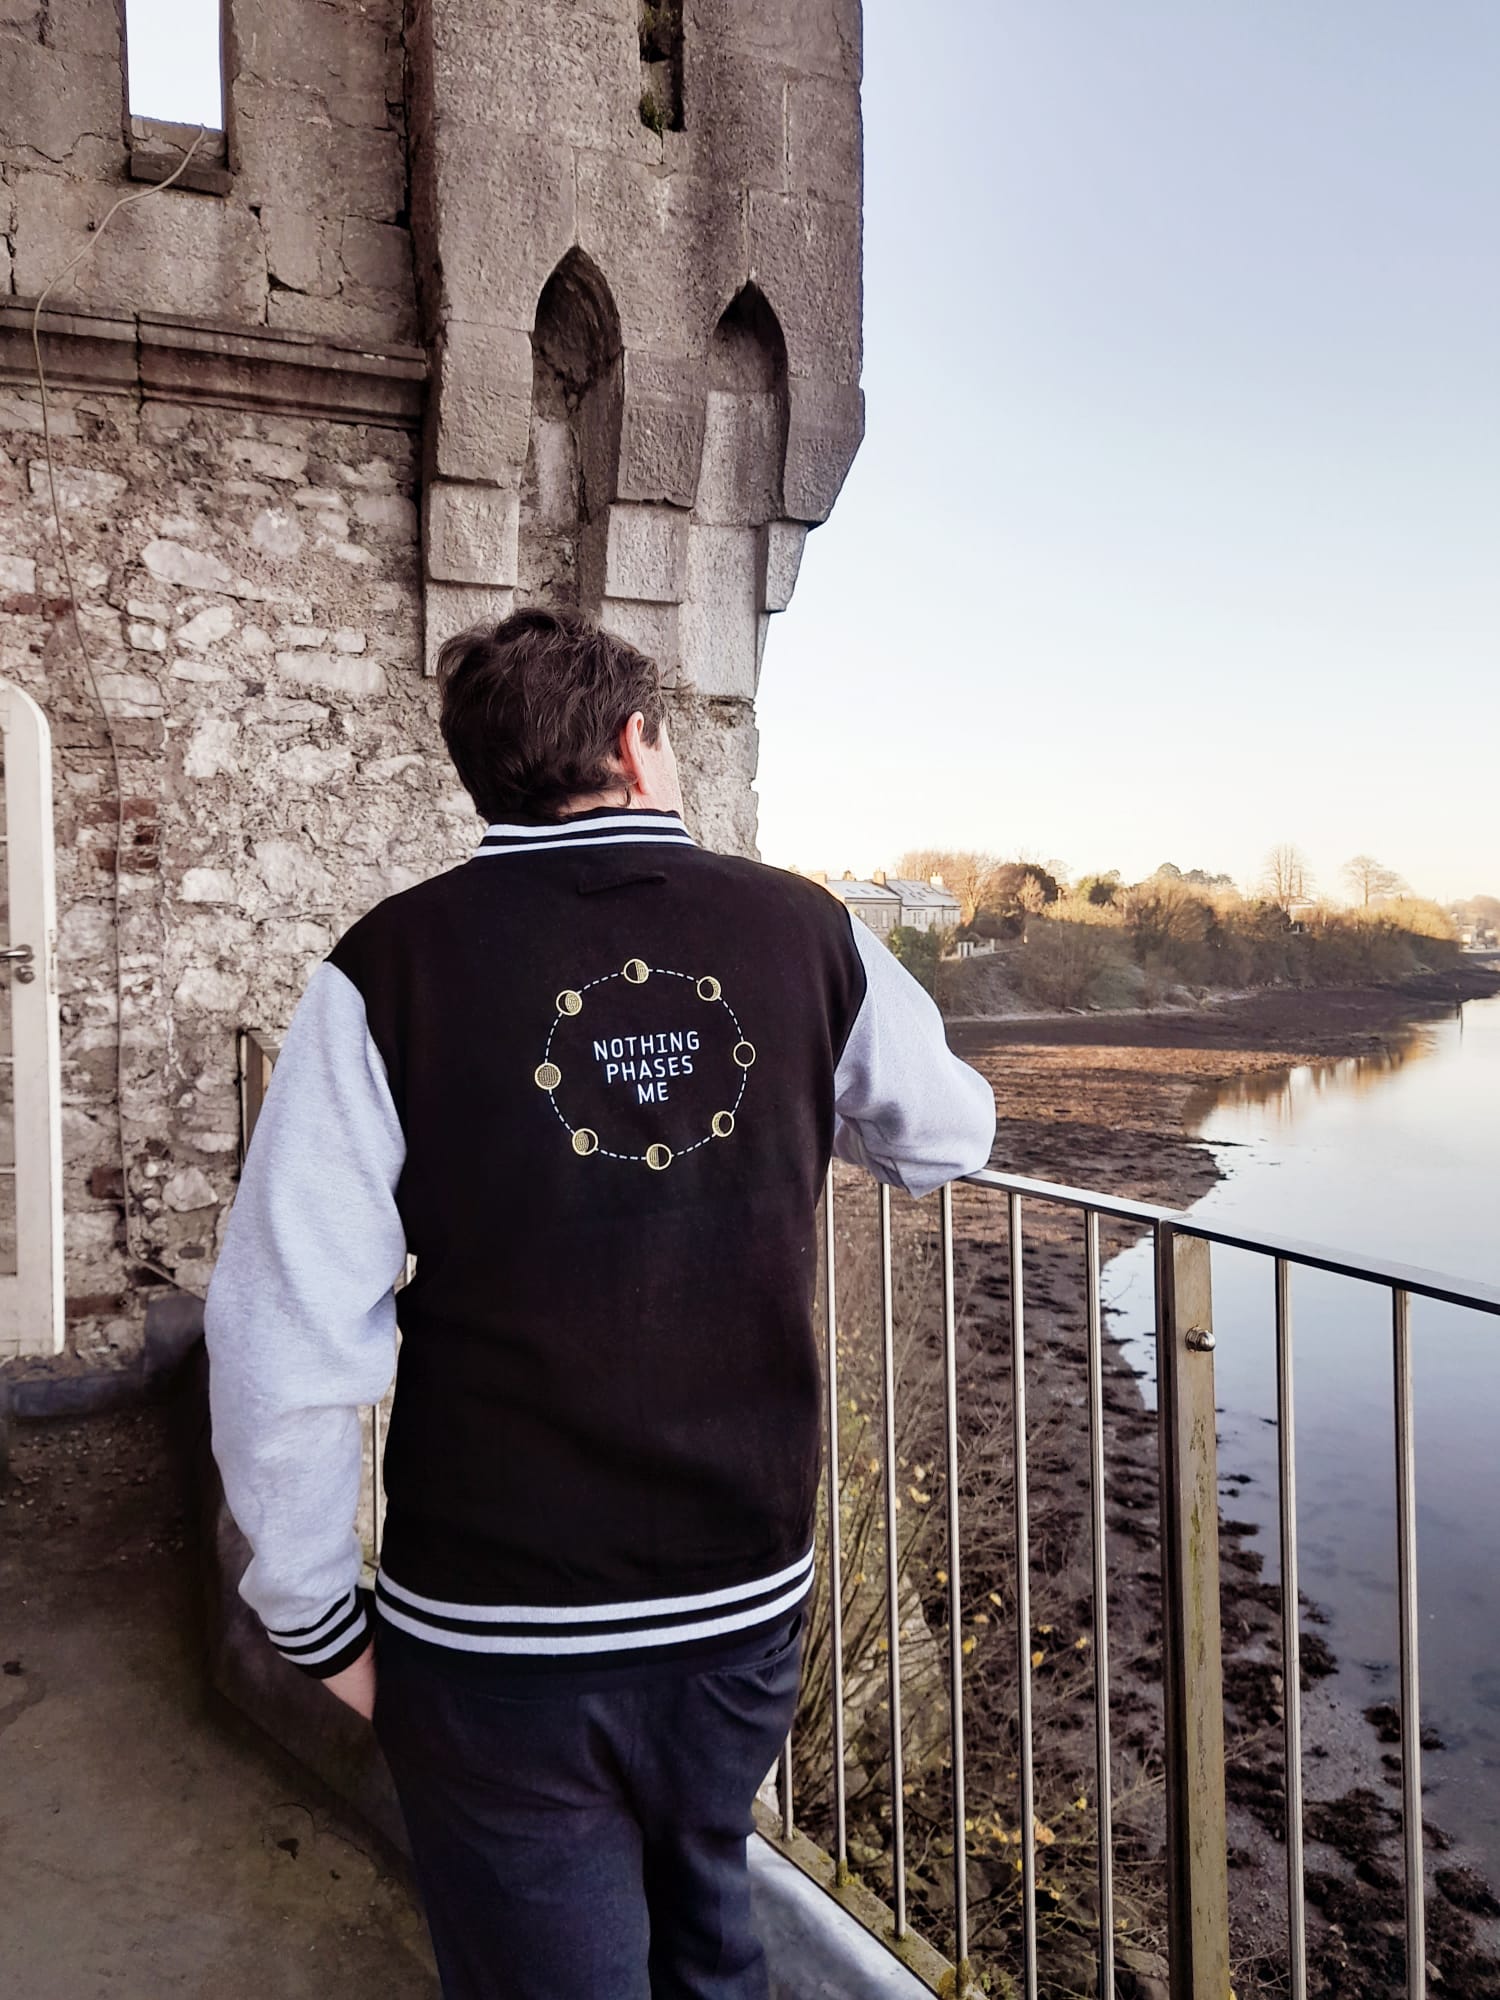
{"x":573,"y":453}
{"x":744,"y":446}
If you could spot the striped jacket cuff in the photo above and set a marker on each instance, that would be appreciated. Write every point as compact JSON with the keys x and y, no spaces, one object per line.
{"x":330,"y":1643}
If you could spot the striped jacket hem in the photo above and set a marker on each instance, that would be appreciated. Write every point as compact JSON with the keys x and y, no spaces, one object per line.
{"x":594,"y":1631}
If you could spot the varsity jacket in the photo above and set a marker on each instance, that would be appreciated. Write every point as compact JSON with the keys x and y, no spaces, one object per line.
{"x":590,"y":1080}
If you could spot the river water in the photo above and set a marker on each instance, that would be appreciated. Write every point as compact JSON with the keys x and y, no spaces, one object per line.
{"x":1394,"y":1155}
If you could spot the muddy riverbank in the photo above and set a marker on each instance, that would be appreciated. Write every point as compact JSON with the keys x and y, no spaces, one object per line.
{"x":1112,"y":1102}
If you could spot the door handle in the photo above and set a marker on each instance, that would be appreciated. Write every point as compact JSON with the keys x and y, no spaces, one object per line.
{"x":22,"y":957}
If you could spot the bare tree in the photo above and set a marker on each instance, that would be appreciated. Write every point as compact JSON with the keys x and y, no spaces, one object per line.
{"x":967,"y":874}
{"x":1287,"y":878}
{"x":1370,"y":880}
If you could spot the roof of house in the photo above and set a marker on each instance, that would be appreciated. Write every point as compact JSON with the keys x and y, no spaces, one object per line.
{"x":850,"y":891}
{"x":930,"y":894}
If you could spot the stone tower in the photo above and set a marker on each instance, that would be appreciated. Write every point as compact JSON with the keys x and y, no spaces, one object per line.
{"x":476,"y":304}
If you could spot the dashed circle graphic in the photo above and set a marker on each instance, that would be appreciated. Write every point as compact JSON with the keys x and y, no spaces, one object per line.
{"x":658,"y":1156}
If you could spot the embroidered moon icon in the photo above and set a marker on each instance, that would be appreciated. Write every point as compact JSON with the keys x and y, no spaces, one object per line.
{"x":651,"y":1077}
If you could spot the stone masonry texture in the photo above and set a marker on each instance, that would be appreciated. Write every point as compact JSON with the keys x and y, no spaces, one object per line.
{"x":447,"y":325}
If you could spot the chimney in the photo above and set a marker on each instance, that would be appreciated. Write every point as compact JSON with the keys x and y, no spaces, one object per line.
{"x":820,"y":876}
{"x":936,"y":881}
{"x":848,"y":874}
{"x":878,"y":878}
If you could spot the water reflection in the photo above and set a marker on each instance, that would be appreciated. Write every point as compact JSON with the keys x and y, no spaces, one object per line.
{"x":1283,"y":1093}
{"x":1391,"y":1153}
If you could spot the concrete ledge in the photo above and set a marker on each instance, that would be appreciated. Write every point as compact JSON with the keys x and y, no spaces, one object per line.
{"x":37,"y":1386}
{"x":816,"y":1949}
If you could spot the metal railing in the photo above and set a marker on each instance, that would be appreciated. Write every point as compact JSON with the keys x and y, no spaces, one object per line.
{"x":1196,"y":1855}
{"x":1196,"y":1864}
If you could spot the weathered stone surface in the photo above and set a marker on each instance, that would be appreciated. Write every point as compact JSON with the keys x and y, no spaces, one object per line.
{"x":673,"y":248}
{"x":483,"y":402}
{"x":207,"y":628}
{"x":472,"y":533}
{"x":189,"y":1188}
{"x":646,"y":553}
{"x":454,"y":607}
{"x":719,"y":625}
{"x":736,"y":114}
{"x":340,"y":672}
{"x":824,"y":429}
{"x":806,"y":255}
{"x":717,"y":749}
{"x":650,"y":628}
{"x":194,"y":569}
{"x":207,"y":885}
{"x":661,"y":439}
{"x":816,"y":37}
{"x":179,"y":253}
{"x":782,"y":558}
{"x":739,"y":480}
{"x":376,"y":254}
{"x":59,"y":107}
{"x":302,"y":251}
{"x":289,"y":147}
{"x":825,"y":141}
{"x":504,"y":230}
{"x":557,"y":70}
{"x":75,"y":486}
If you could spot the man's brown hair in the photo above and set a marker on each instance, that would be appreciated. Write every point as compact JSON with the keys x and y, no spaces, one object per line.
{"x":532,"y":710}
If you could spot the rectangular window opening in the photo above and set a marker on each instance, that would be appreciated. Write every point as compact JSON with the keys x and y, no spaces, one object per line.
{"x":661,"y":65}
{"x":174,"y":64}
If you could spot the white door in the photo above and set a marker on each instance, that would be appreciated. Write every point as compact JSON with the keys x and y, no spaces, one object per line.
{"x":31,"y":1222}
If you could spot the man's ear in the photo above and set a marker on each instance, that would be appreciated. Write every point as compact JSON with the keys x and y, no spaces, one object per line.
{"x":630,"y":749}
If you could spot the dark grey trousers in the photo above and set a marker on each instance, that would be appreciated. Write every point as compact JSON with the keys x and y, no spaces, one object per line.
{"x":583,"y":1832}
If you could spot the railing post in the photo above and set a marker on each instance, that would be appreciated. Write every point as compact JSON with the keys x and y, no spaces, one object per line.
{"x":1193,"y":1678}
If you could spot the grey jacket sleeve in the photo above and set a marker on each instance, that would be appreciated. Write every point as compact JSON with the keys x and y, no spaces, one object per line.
{"x":908,"y":1111}
{"x":301,"y":1323}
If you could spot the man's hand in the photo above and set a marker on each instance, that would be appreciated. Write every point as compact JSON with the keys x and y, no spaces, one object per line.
{"x":355,"y":1684}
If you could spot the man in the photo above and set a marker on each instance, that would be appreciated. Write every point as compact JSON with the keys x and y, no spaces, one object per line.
{"x":590,"y":1079}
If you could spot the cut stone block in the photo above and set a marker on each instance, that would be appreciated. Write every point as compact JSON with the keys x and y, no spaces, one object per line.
{"x":483,"y":402}
{"x":825,"y":423}
{"x":646,"y":553}
{"x":782,"y":556}
{"x":451,"y":608}
{"x":661,"y":439}
{"x":650,"y":628}
{"x":806,"y":257}
{"x":719,"y":623}
{"x":472,"y":533}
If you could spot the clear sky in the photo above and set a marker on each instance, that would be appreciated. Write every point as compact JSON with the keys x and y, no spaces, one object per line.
{"x":1176,"y":530}
{"x":173,"y":46}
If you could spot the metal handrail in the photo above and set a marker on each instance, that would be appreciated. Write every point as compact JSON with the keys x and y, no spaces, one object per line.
{"x":1411,"y":1278}
{"x":1197,"y":1837}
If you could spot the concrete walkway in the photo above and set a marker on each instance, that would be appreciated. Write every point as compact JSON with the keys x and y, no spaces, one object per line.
{"x":148,"y":1847}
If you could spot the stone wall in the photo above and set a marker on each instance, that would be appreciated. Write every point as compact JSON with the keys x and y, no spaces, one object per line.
{"x":311,"y":231}
{"x":248,"y":589}
{"x":461,"y":310}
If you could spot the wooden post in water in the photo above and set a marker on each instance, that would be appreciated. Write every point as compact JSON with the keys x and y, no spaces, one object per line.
{"x":1193,"y":1676}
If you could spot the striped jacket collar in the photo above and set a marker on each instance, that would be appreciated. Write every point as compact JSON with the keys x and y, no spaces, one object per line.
{"x":603,"y":826}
